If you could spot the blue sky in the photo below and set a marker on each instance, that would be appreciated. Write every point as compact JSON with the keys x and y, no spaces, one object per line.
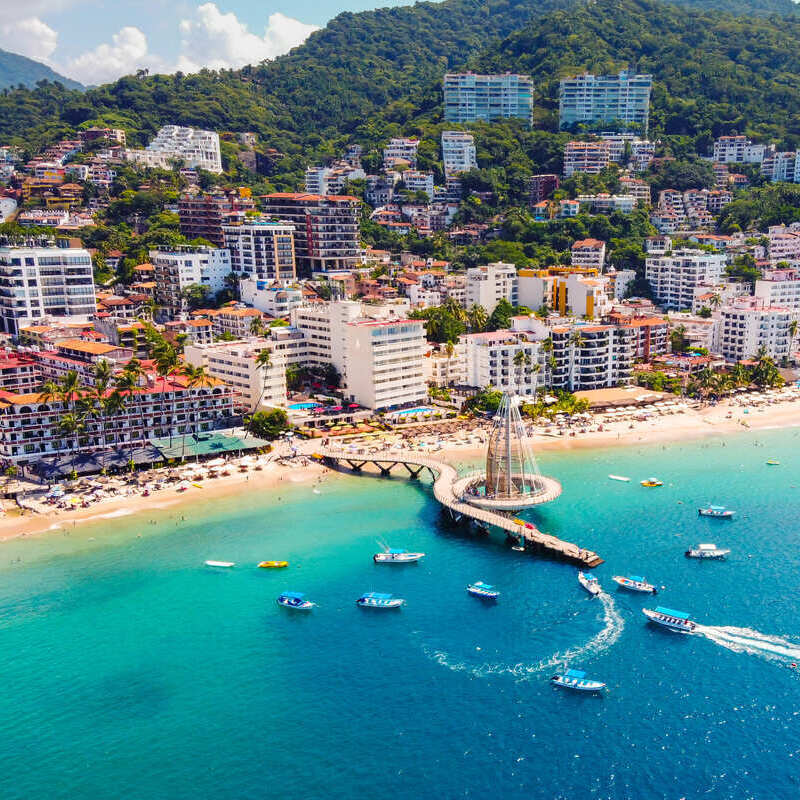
{"x":94,"y":41}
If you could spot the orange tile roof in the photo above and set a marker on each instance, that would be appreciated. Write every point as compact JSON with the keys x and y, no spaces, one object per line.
{"x":94,"y":348}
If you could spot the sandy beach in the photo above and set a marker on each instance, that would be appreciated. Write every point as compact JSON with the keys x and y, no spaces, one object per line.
{"x":728,"y":417}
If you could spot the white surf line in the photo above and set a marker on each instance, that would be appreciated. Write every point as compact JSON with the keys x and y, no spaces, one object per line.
{"x":600,"y":642}
{"x":746,"y":640}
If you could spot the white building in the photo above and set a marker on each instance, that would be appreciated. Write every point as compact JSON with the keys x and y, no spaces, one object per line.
{"x":738,"y":150}
{"x":592,"y":356}
{"x":619,"y":281}
{"x":748,"y":325}
{"x":254,"y":387}
{"x":173,"y":143}
{"x":490,"y":284}
{"x":779,"y":287}
{"x":673,"y":278}
{"x":262,"y":249}
{"x":699,"y":331}
{"x":443,"y":370}
{"x":627,"y":148}
{"x":589,"y":253}
{"x":780,"y":167}
{"x":605,"y":203}
{"x":605,"y":100}
{"x":184,"y":266}
{"x":331,"y":179}
{"x":458,"y":152}
{"x":400,"y":149}
{"x":415,"y":181}
{"x":784,"y":243}
{"x":38,"y":279}
{"x":273,"y":299}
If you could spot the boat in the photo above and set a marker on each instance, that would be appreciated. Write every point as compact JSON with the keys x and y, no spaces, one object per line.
{"x":220,"y":563}
{"x":519,"y":548}
{"x":379,"y":600}
{"x":619,"y":478}
{"x":484,"y":590}
{"x":674,"y":620}
{"x":295,"y":600}
{"x":274,"y":564}
{"x":393,"y":556}
{"x":773,"y":462}
{"x":576,"y":680}
{"x":708,"y":550}
{"x":590,"y":583}
{"x":634,"y":583}
{"x":718,"y":512}
{"x":650,"y":482}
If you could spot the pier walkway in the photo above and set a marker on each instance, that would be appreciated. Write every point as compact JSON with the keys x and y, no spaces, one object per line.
{"x":446,"y":483}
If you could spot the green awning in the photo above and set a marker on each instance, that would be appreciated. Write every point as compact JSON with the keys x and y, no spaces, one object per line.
{"x":206,"y":444}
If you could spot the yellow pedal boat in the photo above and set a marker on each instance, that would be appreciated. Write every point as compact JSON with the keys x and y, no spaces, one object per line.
{"x":274,"y":564}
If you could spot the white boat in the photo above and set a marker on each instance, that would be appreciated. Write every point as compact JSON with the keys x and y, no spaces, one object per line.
{"x":674,"y":620}
{"x":708,"y":550}
{"x":379,"y":600}
{"x":619,"y":478}
{"x":393,"y":556}
{"x":718,"y":512}
{"x":576,"y":680}
{"x":590,"y":583}
{"x":295,"y":600}
{"x":484,"y":590}
{"x":635,"y":583}
{"x":220,"y":563}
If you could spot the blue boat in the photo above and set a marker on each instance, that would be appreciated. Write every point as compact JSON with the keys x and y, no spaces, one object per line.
{"x":718,"y":512}
{"x":379,"y":600}
{"x":484,"y":590}
{"x":576,"y":680}
{"x":634,"y":583}
{"x":295,"y":600}
{"x":669,"y":618}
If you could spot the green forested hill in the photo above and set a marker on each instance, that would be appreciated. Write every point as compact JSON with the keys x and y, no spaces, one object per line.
{"x":16,"y":69}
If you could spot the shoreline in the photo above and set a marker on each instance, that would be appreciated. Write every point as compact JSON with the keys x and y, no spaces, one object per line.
{"x":722,"y":419}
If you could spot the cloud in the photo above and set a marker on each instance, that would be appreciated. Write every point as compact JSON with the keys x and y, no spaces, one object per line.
{"x":29,"y":37}
{"x":217,"y":41}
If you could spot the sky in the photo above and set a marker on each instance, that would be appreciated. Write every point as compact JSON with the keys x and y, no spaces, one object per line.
{"x":96,"y":41}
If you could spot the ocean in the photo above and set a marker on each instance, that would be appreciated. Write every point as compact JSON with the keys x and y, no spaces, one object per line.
{"x":131,"y":670}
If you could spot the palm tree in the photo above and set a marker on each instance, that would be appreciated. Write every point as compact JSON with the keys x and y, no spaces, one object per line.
{"x":127,"y":381}
{"x":740,"y":374}
{"x":521,"y":361}
{"x":715,"y":301}
{"x":196,"y":378}
{"x":256,"y":326}
{"x":449,"y":351}
{"x":70,"y":388}
{"x":98,"y":397}
{"x":792,"y":334}
{"x":263,"y":361}
{"x":477,"y":318}
{"x":454,"y":308}
{"x":72,"y":424}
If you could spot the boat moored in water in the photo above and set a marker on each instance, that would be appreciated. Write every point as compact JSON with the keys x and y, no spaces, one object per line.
{"x":651,"y":482}
{"x":484,"y":590}
{"x":576,"y":680}
{"x":634,"y":583}
{"x":668,"y":618}
{"x":718,"y":512}
{"x":708,"y":550}
{"x":379,"y":600}
{"x":273,"y":564}
{"x":773,"y":462}
{"x":221,"y":564}
{"x":393,"y":556}
{"x":590,"y":583}
{"x":295,"y":600}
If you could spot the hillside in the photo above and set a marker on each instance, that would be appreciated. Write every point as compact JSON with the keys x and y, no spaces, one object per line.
{"x":16,"y":70}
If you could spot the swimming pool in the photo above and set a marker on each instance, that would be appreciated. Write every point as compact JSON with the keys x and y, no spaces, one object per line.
{"x":303,"y":406}
{"x":422,"y":410}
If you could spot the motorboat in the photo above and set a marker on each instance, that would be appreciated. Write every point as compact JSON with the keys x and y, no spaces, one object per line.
{"x":634,"y":583}
{"x":484,"y":590}
{"x":674,"y":620}
{"x":619,"y":478}
{"x":273,"y":564}
{"x":590,"y":583}
{"x":651,"y":482}
{"x":718,"y":512}
{"x":773,"y":462}
{"x":224,"y":564}
{"x":708,"y":550}
{"x":295,"y":600}
{"x":379,"y":600}
{"x":393,"y":556}
{"x":576,"y":680}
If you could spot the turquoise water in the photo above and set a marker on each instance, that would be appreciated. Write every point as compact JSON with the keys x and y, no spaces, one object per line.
{"x":300,"y":406}
{"x":420,"y":410}
{"x":130,"y":670}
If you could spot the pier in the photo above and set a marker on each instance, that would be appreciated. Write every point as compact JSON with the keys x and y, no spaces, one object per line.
{"x":448,"y":488}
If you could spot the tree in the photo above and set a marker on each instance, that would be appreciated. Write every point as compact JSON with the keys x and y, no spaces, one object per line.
{"x":196,"y":378}
{"x":500,"y":318}
{"x":196,"y":296}
{"x":72,"y":424}
{"x":679,"y":342}
{"x":263,"y":362}
{"x":522,"y":361}
{"x":257,"y":326}
{"x":268,"y":424}
{"x":477,"y":318}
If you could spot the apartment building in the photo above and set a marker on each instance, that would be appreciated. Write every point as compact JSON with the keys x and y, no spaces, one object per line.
{"x":331,"y":179}
{"x":780,"y":167}
{"x":779,"y":287}
{"x":578,"y":292}
{"x":254,"y":387}
{"x":784,"y":243}
{"x":651,"y":334}
{"x":738,"y":150}
{"x":490,"y":360}
{"x":233,"y":321}
{"x":636,"y":188}
{"x":469,"y":97}
{"x":326,"y":234}
{"x":619,"y":282}
{"x":203,"y":216}
{"x":587,"y":157}
{"x":674,"y":278}
{"x":628,"y":149}
{"x":415,"y":181}
{"x":191,"y":147}
{"x":458,"y":152}
{"x":605,"y":203}
{"x":39,"y":279}
{"x":488,"y":285}
{"x":540,"y":187}
{"x":699,"y":331}
{"x":589,"y":356}
{"x":184,"y":266}
{"x":444,"y":370}
{"x":589,"y":253}
{"x":401,"y":149}
{"x":606,"y":102}
{"x":19,"y":372}
{"x":273,"y":299}
{"x":748,"y":324}
{"x":261,"y":249}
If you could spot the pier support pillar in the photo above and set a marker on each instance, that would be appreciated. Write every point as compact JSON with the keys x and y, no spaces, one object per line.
{"x":356,"y":467}
{"x":386,"y":471}
{"x":414,"y":473}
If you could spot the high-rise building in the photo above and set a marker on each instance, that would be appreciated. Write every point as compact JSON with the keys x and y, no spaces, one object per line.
{"x":458,"y":152}
{"x":326,"y":228}
{"x":540,"y":187}
{"x":469,"y":97}
{"x":606,"y":102}
{"x":192,"y":147}
{"x":674,"y":277}
{"x":39,"y":279}
{"x":202,"y":217}
{"x":748,"y":324}
{"x":261,"y":249}
{"x":488,"y":285}
{"x":180,"y":267}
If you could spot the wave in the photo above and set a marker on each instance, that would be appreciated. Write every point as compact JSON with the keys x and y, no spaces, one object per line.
{"x":600,"y":642}
{"x":746,"y":640}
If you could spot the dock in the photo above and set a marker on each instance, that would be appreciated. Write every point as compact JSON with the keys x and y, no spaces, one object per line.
{"x":446,"y":482}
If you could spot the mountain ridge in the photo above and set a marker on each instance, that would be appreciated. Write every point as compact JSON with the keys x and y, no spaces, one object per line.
{"x":16,"y":69}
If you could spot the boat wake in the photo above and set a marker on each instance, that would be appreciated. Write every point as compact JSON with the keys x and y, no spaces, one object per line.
{"x":746,"y":640}
{"x":600,"y":642}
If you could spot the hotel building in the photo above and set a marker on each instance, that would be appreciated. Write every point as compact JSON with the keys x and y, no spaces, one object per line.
{"x":748,"y":324}
{"x":184,"y":266}
{"x":488,"y":285}
{"x":587,"y":157}
{"x":469,"y":97}
{"x":606,"y":102}
{"x":193,"y":147}
{"x":592,"y":356}
{"x":674,"y":278}
{"x":262,"y":250}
